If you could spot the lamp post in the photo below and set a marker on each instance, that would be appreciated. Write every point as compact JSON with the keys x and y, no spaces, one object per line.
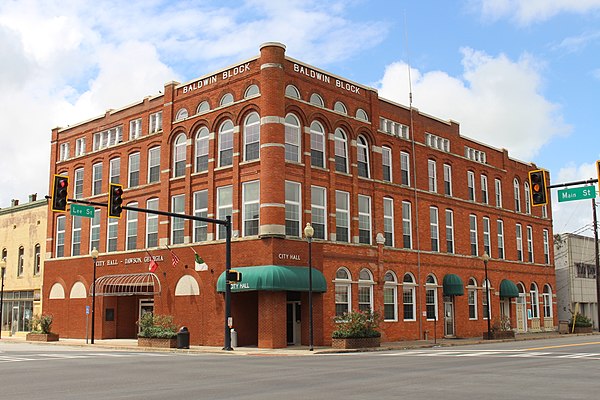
{"x":94,"y":255}
{"x":2,"y":270}
{"x":485,"y":257}
{"x":309,"y":232}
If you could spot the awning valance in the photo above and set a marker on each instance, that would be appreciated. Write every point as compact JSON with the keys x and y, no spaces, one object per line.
{"x":453,"y":285}
{"x":508,"y":289}
{"x":145,"y":283}
{"x":275,"y":278}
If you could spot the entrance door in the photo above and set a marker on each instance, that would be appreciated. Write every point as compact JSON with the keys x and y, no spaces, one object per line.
{"x":146,"y":306}
{"x":293,"y":322}
{"x":521,"y":313}
{"x":449,"y":316}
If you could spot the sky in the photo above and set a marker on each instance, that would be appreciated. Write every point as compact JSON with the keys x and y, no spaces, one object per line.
{"x":519,"y":75}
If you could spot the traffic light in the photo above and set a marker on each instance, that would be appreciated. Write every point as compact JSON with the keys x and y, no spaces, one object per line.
{"x":115,"y":191}
{"x":59,"y":192}
{"x":539,"y":192}
{"x":234,"y":276}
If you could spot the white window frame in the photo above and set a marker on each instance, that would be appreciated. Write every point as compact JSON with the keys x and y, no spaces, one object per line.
{"x":519,"y":241}
{"x":388,"y":221}
{"x":364,"y":218}
{"x":177,"y":224}
{"x":390,"y":287}
{"x":76,"y":235}
{"x":252,"y":137}
{"x":342,"y":196}
{"x":434,"y":228}
{"x":471,"y":185}
{"x":405,"y":168}
{"x":484,"y":189}
{"x":487,"y":246}
{"x":429,"y":288}
{"x":450,"y":248}
{"x":61,"y":222}
{"x":114,"y":175}
{"x":95,"y":230}
{"x":448,"y":179}
{"x":362,"y":157}
{"x":340,"y":141}
{"x":135,"y":128}
{"x":530,"y":253}
{"x":409,"y":287}
{"x":517,"y":195}
{"x":293,"y":208}
{"x":546,"y":246}
{"x":250,"y":208}
{"x":151,"y":222}
{"x":500,"y":229}
{"x":224,"y":207}
{"x":319,"y":211}
{"x":131,"y":228}
{"x":473,"y":235}
{"x":134,"y":168}
{"x":226,"y":131}
{"x":78,"y":187}
{"x":80,"y":147}
{"x":201,"y":149}
{"x":498,"y":186}
{"x":154,"y":163}
{"x":407,"y":225}
{"x":365,"y":281}
{"x":179,"y":155}
{"x":292,"y":138}
{"x":534,"y":298}
{"x":317,"y":144}
{"x":527,"y":196}
{"x":63,"y":151}
{"x":345,"y":285}
{"x":155,"y":122}
{"x":200,"y":210}
{"x":472,"y":299}
{"x":386,"y":161}
{"x":432,"y":175}
{"x":112,"y":235}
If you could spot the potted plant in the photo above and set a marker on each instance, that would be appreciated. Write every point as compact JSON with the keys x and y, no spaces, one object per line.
{"x":157,"y":331}
{"x":500,"y":329}
{"x":356,"y":329}
{"x":582,"y":324}
{"x":40,"y":329}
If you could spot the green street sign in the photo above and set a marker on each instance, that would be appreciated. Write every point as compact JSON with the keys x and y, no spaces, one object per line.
{"x":578,"y":193}
{"x":82,"y":211}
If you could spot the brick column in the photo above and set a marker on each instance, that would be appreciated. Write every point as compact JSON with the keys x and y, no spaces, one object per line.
{"x":272,"y":314}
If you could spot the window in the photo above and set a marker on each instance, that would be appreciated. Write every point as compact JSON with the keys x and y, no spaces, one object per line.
{"x":75,"y":236}
{"x":112,"y":236}
{"x":544,"y":211}
{"x":535,"y":303}
{"x":251,"y":208}
{"x":547,"y":296}
{"x":342,"y":216}
{"x":224,"y":208}
{"x":434,"y":229}
{"x":203,"y":107}
{"x":292,"y":91}
{"x":405,"y":168}
{"x":341,"y":151}
{"x":519,"y":230}
{"x":485,"y":300}
{"x":201,"y":156}
{"x":96,"y":179}
{"x":342,"y":292}
{"x":155,"y":122}
{"x":152,"y":224}
{"x":386,"y":160}
{"x":60,"y":235}
{"x":78,"y":191}
{"x":95,"y":230}
{"x":406,"y":225}
{"x":226,"y":99}
{"x":471,"y":185}
{"x":486,"y":236}
{"x":132,"y":227}
{"x":432,"y":175}
{"x":292,"y":138}
{"x":473,"y":234}
{"x":292,"y":208}
{"x":388,"y":221}
{"x":340,"y":107}
{"x":527,"y":198}
{"x":177,"y":224}
{"x":408,"y":297}
{"x":393,"y":128}
{"x":484,"y":189}
{"x":450,"y":231}
{"x":498,"y":185}
{"x":109,"y":137}
{"x":319,"y":211}
{"x":475,"y":155}
{"x":37,"y":259}
{"x":437,"y":142}
{"x":390,"y":297}
{"x":21,"y":261}
{"x":135,"y":128}
{"x":546,"y":247}
{"x":80,"y":147}
{"x":365,"y":290}
{"x":201,"y":210}
{"x":472,"y":298}
{"x":179,"y":150}
{"x":364,"y":219}
{"x":431,"y":298}
{"x":134,"y":170}
{"x":362,"y":148}
{"x":182,"y":113}
{"x":517,"y":195}
{"x":362,"y":114}
{"x":317,"y":145}
{"x":530,"y":244}
{"x":115,"y":170}
{"x":447,"y":180}
{"x":252,"y":90}
{"x":500,"y":228}
{"x":252,"y":137}
{"x":154,"y":164}
{"x":316,"y":100}
{"x":226,"y":144}
{"x":63,"y":152}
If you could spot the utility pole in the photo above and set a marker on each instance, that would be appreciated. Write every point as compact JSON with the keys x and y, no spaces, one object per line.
{"x":597,"y":262}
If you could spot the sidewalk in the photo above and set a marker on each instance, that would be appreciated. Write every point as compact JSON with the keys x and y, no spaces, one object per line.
{"x":131,"y":345}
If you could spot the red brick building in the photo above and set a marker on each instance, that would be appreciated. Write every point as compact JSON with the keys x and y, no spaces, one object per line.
{"x":403,"y":209}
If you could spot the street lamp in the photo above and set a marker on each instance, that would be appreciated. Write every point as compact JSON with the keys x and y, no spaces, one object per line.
{"x":94,"y":255}
{"x":2,"y":270}
{"x":485,"y":257}
{"x":309,"y":232}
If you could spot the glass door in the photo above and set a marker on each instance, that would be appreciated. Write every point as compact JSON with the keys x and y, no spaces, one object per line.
{"x":293,"y":322}
{"x":449,"y":316}
{"x":146,"y":306}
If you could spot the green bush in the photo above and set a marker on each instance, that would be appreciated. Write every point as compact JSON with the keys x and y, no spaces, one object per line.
{"x":41,"y":324}
{"x":157,"y":326}
{"x":581,"y":321}
{"x":357,"y":324}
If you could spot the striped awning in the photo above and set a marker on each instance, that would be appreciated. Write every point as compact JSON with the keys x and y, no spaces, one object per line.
{"x":145,"y":283}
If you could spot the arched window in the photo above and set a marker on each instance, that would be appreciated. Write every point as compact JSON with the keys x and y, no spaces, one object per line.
{"x":341,"y":151}
{"x":527,"y":197}
{"x":252,"y":137}
{"x":78,"y":291}
{"x":365,"y":290}
{"x":431,"y":297}
{"x":534,"y":299}
{"x":292,"y":138}
{"x":547,"y":303}
{"x":181,"y":114}
{"x":226,"y":99}
{"x":21,"y":261}
{"x":187,"y":286}
{"x":362,"y":114}
{"x":343,"y":293}
{"x":37,"y":260}
{"x":252,"y":90}
{"x":340,"y":107}
{"x":485,"y":301}
{"x":362,"y":147}
{"x":390,"y":297}
{"x":179,"y":147}
{"x":203,"y":107}
{"x":201,"y":151}
{"x":292,"y":91}
{"x":226,"y":144}
{"x":472,"y":298}
{"x":317,"y":145}
{"x":57,"y":291}
{"x":317,"y":100}
{"x":408,"y":297}
{"x":517,"y":192}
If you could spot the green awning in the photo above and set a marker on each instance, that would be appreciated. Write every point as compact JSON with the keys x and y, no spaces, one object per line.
{"x":453,"y":285}
{"x":508,"y":289}
{"x":275,"y":278}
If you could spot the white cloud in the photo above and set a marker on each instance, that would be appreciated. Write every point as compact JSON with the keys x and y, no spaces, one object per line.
{"x":496,"y":101}
{"x":525,"y":12}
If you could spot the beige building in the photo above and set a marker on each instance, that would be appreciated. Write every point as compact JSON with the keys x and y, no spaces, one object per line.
{"x":23,"y":245}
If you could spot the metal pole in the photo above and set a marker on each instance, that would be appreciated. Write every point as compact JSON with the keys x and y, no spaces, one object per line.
{"x":487,"y":295}
{"x":2,"y":298}
{"x":227,"y":284}
{"x":310,"y":296}
{"x":93,"y":301}
{"x":597,"y":263}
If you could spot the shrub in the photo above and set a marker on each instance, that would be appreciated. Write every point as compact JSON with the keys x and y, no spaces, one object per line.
{"x":357,"y":324}
{"x":581,"y":321}
{"x":157,"y":326}
{"x":41,"y":324}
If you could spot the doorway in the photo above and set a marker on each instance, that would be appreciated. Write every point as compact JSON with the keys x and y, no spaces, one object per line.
{"x":293,"y":322}
{"x":146,"y":307}
{"x":449,"y":316}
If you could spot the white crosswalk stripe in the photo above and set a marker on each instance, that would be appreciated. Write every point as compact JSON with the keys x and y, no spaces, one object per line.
{"x":6,"y":358}
{"x":492,"y":353}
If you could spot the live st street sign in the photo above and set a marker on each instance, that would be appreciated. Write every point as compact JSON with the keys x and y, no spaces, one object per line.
{"x":578,"y":193}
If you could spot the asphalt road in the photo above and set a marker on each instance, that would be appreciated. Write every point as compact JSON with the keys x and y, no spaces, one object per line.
{"x":564,"y":368}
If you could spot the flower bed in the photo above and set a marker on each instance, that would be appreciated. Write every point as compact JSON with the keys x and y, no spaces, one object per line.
{"x":41,"y":337}
{"x":165,"y":343}
{"x":355,"y":343}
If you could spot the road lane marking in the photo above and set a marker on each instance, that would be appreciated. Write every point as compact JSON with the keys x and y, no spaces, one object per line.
{"x":561,"y":345}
